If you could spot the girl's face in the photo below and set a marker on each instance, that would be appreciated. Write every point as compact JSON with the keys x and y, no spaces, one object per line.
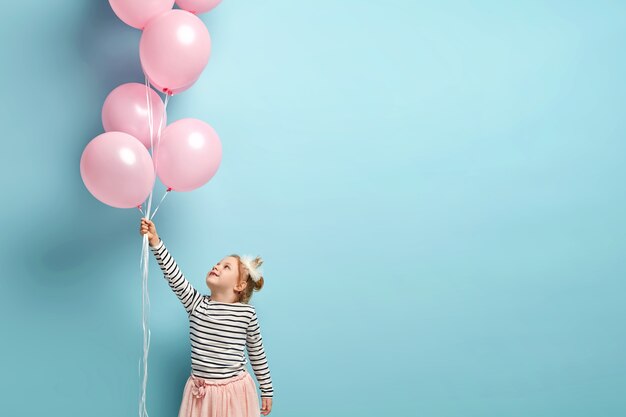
{"x":224,"y":276}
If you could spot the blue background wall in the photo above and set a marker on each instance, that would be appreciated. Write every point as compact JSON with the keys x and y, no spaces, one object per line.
{"x":437,"y":190}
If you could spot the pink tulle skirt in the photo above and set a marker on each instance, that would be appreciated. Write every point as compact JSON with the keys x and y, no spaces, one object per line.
{"x":230,"y":397}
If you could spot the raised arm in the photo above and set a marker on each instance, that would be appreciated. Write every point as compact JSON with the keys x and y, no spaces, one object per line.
{"x":183,"y":289}
{"x":256,"y":353}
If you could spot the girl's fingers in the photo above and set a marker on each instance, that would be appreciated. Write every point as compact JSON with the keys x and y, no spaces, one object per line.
{"x":266,"y":406}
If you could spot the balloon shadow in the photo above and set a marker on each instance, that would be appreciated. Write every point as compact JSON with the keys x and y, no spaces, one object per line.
{"x":110,"y":47}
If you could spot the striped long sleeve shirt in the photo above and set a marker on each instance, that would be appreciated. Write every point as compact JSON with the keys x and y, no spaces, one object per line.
{"x":218,"y":331}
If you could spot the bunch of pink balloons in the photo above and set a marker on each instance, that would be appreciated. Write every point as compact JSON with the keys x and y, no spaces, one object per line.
{"x":116,"y":166}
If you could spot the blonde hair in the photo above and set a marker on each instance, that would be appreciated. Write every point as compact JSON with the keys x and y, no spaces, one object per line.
{"x":244,"y":275}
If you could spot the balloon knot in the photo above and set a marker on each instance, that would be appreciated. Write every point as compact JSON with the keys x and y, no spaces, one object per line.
{"x":169,"y":189}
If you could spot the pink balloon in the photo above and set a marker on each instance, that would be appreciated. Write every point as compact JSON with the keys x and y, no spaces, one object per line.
{"x":174,"y":49}
{"x":137,"y":13}
{"x":197,"y":6}
{"x":126,"y":110}
{"x":188,"y":155}
{"x":117,"y":169}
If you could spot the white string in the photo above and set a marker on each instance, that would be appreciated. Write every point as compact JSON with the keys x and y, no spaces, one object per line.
{"x":144,"y":266}
{"x":149,"y":104}
{"x":143,"y":412}
{"x":150,"y":121}
{"x":158,"y":205}
{"x":156,"y":158}
{"x":143,"y":262}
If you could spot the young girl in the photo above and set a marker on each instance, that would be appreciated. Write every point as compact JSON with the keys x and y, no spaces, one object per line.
{"x":220,"y":325}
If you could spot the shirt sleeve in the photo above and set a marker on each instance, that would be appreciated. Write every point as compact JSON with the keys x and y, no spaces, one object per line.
{"x":183,"y":289}
{"x":256,"y":353}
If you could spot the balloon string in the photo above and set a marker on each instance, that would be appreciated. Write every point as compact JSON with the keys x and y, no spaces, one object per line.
{"x":162,"y":198}
{"x":149,"y":113}
{"x":156,"y":159}
{"x":143,"y":412}
{"x":149,"y":105}
{"x":143,"y":263}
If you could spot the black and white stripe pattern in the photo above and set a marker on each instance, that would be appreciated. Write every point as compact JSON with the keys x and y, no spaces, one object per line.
{"x":218,"y":331}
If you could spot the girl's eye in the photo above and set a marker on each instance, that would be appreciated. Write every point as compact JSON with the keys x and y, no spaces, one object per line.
{"x":227,"y":266}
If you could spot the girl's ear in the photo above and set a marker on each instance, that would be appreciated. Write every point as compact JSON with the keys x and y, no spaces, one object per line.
{"x":241,"y":286}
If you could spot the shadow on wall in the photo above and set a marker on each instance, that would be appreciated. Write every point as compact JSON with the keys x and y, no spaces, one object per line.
{"x":109,"y":46}
{"x":77,"y":233}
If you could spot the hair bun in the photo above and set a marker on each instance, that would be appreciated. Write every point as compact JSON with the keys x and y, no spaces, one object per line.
{"x":258,"y":284}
